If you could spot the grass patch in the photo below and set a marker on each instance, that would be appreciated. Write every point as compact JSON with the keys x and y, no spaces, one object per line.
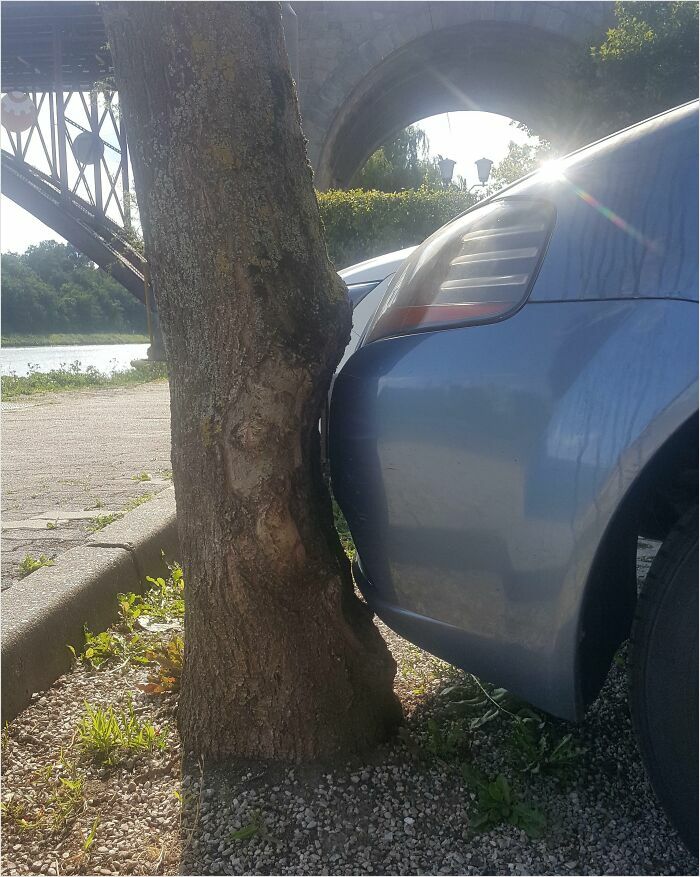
{"x":31,"y":564}
{"x":56,"y":801}
{"x":106,"y":736}
{"x":71,"y":377}
{"x":101,"y":521}
{"x":70,"y":339}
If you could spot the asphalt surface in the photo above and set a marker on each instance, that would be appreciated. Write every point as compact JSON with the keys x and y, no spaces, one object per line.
{"x":68,"y":458}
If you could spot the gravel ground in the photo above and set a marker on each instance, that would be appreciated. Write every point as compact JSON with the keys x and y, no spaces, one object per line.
{"x":404,"y":810}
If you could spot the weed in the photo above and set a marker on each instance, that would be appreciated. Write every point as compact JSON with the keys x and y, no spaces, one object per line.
{"x":98,"y":505}
{"x":56,"y":800}
{"x":106,"y":735}
{"x":168,"y":659}
{"x":137,"y":501}
{"x":167,"y":474}
{"x":341,"y":525}
{"x":536,"y":750}
{"x":51,"y":525}
{"x":101,"y":521}
{"x":448,"y":742}
{"x":142,"y":476}
{"x":74,"y":377}
{"x":92,"y":834}
{"x":256,"y":826}
{"x":496,"y":802}
{"x":31,"y":564}
{"x":110,"y":646}
{"x":163,"y":602}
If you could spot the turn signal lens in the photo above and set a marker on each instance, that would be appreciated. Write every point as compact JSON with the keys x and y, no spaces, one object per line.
{"x":478,"y":268}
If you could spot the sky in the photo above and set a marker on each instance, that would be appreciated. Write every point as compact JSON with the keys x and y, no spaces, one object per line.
{"x":463,"y":137}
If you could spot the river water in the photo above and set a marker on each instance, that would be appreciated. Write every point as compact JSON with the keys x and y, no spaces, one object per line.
{"x":106,"y":358}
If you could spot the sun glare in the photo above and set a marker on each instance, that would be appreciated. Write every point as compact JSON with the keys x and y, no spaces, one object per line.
{"x":552,"y":171}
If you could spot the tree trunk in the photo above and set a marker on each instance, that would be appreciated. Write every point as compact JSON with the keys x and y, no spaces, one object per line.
{"x":281,"y":659}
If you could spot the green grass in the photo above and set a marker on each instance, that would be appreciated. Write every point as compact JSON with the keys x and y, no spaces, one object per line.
{"x":31,"y":564}
{"x":108,"y":735}
{"x":71,"y":338}
{"x":72,"y":378}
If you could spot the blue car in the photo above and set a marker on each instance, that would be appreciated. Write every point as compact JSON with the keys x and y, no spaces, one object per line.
{"x":521,"y":408}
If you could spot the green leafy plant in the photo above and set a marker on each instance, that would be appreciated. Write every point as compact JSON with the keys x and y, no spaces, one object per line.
{"x":536,"y":750}
{"x":57,"y":799}
{"x":142,"y":476}
{"x":448,"y":742}
{"x":256,"y":826}
{"x":496,"y":802}
{"x":30,"y":564}
{"x":168,"y":660}
{"x":51,"y":525}
{"x":108,"y":735}
{"x":341,"y":525}
{"x":164,"y":600}
{"x":91,"y":835}
{"x":111,"y":646}
{"x":137,"y":501}
{"x":101,"y":521}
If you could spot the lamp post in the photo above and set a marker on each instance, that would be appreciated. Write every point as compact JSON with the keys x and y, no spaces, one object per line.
{"x":483,"y":169}
{"x":446,"y":167}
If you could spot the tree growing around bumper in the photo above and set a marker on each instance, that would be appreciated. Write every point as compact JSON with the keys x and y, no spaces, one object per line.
{"x":281,"y":659}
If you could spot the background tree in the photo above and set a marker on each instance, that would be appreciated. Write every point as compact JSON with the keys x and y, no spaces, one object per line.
{"x":281,"y":659}
{"x":52,"y":287}
{"x":647,"y":63}
{"x":521,"y":159}
{"x":403,"y":163}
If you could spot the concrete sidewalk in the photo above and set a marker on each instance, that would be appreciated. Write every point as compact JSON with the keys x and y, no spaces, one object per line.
{"x":69,"y":457}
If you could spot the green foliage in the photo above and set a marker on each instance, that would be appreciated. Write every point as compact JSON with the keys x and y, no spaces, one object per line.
{"x":107,"y":735}
{"x":360,"y":225}
{"x":497,"y":802}
{"x":450,"y":741}
{"x":56,"y":800}
{"x":521,"y":159}
{"x":255,"y":827}
{"x":401,"y":164}
{"x":142,"y":476}
{"x":71,"y":377}
{"x":163,"y":602}
{"x":341,"y":525}
{"x":101,"y":521}
{"x":110,"y":646}
{"x":71,"y":339}
{"x":30,"y":564}
{"x":648,"y":61}
{"x":537,"y":750}
{"x":53,"y":288}
{"x":168,"y":659}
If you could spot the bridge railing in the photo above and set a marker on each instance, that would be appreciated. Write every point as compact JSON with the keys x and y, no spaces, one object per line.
{"x":78,"y":141}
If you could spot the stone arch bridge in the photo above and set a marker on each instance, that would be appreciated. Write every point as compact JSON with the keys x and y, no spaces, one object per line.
{"x":364,"y":71}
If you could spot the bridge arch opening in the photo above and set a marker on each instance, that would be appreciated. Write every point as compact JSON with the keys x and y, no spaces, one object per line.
{"x":511,"y":70}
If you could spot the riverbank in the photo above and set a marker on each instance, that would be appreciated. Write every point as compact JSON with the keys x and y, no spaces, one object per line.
{"x":71,"y":378}
{"x":70,"y":339}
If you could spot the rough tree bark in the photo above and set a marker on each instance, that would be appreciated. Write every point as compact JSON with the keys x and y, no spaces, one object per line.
{"x":281,"y":659}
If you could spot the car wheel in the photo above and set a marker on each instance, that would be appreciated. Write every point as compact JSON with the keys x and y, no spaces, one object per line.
{"x":664,"y":676}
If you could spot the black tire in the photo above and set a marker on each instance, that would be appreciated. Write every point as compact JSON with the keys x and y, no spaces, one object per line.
{"x":664,"y":677}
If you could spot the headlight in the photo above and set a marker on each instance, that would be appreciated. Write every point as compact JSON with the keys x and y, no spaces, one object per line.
{"x":478,"y":268}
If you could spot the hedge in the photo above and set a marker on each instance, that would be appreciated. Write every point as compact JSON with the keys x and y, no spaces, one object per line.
{"x":360,"y":224}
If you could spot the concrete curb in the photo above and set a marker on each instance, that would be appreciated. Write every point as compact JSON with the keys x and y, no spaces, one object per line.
{"x":46,"y":611}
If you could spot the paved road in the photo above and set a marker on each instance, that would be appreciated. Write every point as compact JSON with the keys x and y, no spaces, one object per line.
{"x":69,"y":457}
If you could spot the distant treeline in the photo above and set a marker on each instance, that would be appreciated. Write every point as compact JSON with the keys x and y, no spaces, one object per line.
{"x":54,"y":288}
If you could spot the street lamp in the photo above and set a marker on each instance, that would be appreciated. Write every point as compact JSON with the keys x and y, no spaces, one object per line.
{"x":446,"y":167}
{"x":483,"y":170}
